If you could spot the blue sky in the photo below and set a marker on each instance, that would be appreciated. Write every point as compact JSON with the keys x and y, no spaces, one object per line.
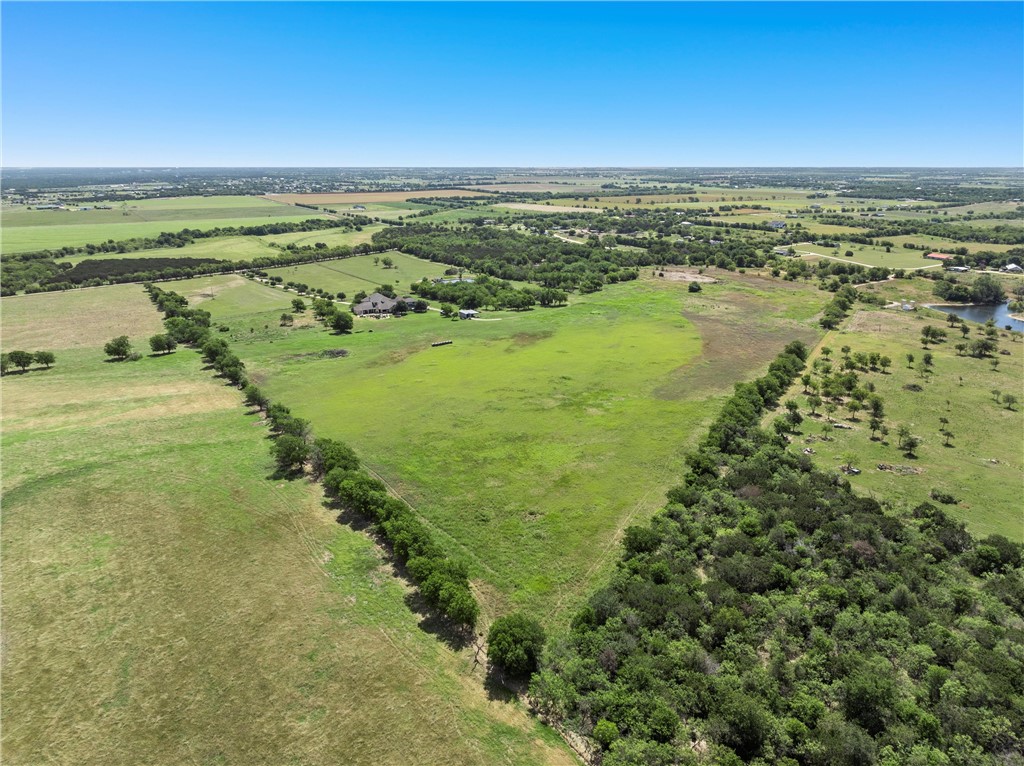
{"x":534,"y":84}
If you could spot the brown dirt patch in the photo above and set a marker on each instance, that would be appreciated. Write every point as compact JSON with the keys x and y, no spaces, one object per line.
{"x":686,"y":275}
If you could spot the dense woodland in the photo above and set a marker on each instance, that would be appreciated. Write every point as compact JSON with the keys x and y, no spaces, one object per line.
{"x":770,"y":615}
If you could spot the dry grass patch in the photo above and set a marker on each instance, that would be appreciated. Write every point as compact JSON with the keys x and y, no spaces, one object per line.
{"x":82,"y":318}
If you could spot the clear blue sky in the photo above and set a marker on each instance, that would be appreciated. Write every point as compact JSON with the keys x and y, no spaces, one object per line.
{"x":541,"y":84}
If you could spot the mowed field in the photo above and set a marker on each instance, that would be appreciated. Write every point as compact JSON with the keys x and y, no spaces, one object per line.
{"x":367,"y":198}
{"x":166,"y":601}
{"x":982,"y":467}
{"x":350,"y":275}
{"x":531,"y":441}
{"x":25,"y":230}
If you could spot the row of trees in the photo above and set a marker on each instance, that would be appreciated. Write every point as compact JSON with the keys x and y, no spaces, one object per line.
{"x":25,"y":359}
{"x":443,"y":581}
{"x":770,"y":615}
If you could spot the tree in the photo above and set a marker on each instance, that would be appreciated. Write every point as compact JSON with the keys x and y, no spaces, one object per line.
{"x":298,"y":305}
{"x":22,"y":359}
{"x":45,"y":358}
{"x":910,"y":444}
{"x":884,"y":362}
{"x":387,"y":261}
{"x":5,"y":363}
{"x":875,"y":424}
{"x":290,"y":452}
{"x":515,"y":642}
{"x":910,"y":360}
{"x":162,"y":344}
{"x":287,"y":320}
{"x":254,"y":397}
{"x":118,"y":348}
{"x":342,"y":322}
{"x":1009,"y":400}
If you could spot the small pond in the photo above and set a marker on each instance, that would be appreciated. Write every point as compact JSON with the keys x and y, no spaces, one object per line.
{"x":977,"y":313}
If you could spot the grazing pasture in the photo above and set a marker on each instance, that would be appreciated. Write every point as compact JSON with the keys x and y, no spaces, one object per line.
{"x":19,"y":239}
{"x":524,"y":442}
{"x":168,"y":600}
{"x":982,"y":465}
{"x":350,"y":275}
{"x":368,"y":198}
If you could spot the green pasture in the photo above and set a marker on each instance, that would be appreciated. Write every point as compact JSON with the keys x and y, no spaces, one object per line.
{"x":869,"y":255}
{"x":331,"y":237}
{"x":350,"y":275}
{"x":18,"y":239}
{"x":142,"y":211}
{"x":532,"y":441}
{"x":167,"y":600}
{"x":983,"y":465}
{"x":939,"y":243}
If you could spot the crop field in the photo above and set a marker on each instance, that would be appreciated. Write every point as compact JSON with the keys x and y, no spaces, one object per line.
{"x":982,"y":466}
{"x":350,"y":275}
{"x":167,"y":601}
{"x":561,"y":426}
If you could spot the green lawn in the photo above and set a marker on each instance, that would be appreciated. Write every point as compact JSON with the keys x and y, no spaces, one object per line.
{"x":166,"y":601}
{"x":983,"y":466}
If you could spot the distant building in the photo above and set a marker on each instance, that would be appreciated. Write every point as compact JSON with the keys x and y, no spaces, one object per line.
{"x":468,"y":314}
{"x":1012,"y":268}
{"x":375,"y":305}
{"x":778,"y":224}
{"x":958,"y":269}
{"x":453,"y":281}
{"x":939,"y":256}
{"x":359,"y":207}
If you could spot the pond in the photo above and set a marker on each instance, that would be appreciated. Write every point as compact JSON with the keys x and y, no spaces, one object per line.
{"x":979,"y":313}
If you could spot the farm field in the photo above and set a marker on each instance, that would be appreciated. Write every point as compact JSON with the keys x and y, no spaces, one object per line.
{"x":350,"y":275}
{"x":937,"y":243}
{"x":547,"y":418}
{"x":19,"y":239}
{"x":983,"y":466}
{"x":167,"y":601}
{"x":368,"y":198}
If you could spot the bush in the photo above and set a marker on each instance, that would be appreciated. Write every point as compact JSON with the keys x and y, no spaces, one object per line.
{"x":515,"y":643}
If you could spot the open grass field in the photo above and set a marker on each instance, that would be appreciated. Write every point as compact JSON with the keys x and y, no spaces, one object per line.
{"x":350,"y":275}
{"x":367,"y":198}
{"x":869,"y":255}
{"x":983,"y":466}
{"x":19,"y":239}
{"x":532,"y":441}
{"x":167,"y":602}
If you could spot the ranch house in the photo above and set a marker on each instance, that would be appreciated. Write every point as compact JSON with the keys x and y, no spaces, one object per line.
{"x":939,"y":256}
{"x":374,"y":305}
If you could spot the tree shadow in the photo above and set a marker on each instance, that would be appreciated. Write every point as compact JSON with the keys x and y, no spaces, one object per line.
{"x":500,"y":687}
{"x":432,"y":620}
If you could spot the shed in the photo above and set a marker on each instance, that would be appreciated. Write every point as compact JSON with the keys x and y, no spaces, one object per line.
{"x":468,"y":313}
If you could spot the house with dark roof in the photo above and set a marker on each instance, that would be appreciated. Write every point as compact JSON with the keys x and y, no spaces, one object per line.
{"x":778,"y":224}
{"x":375,"y":304}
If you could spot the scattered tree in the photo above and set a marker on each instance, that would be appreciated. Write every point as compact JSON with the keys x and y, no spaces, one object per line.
{"x":118,"y":348}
